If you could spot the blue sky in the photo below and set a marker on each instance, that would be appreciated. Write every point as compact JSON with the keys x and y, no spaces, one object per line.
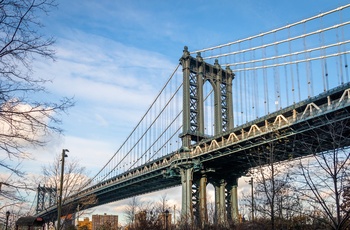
{"x":113,"y":57}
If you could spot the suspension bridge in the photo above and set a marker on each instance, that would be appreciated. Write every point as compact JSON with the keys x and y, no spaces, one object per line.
{"x":223,"y":107}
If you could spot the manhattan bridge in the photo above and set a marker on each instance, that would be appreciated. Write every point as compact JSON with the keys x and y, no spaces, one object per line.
{"x":222,"y":106}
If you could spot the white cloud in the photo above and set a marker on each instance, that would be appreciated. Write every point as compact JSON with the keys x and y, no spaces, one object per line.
{"x":105,"y":75}
{"x":100,"y":62}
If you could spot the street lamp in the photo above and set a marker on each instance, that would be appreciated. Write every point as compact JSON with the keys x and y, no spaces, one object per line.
{"x":7,"y":219}
{"x":252,"y":190}
{"x":166,"y":219}
{"x":59,"y":208}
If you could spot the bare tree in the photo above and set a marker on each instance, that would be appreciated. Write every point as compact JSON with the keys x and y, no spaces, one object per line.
{"x":273,"y":195}
{"x":75,"y":179}
{"x":133,"y":207}
{"x":13,"y":193}
{"x":162,"y":204}
{"x":25,"y":117}
{"x":147,"y":219}
{"x":148,"y":215}
{"x":325,"y":175}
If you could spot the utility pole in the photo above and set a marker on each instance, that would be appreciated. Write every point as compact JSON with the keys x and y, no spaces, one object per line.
{"x":252,"y":190}
{"x":166,"y":219}
{"x":59,"y":207}
{"x":7,"y":219}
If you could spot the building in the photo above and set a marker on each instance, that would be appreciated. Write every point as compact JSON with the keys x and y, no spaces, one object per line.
{"x":85,"y":224}
{"x":156,"y":221}
{"x":104,"y":221}
{"x":165,"y":220}
{"x":140,"y":218}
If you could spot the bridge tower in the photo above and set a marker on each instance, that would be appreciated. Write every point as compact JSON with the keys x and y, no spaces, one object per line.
{"x":46,"y":195}
{"x":196,"y":73}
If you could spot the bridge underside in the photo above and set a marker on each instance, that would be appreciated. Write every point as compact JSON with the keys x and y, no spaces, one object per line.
{"x":291,"y":133}
{"x":326,"y":128}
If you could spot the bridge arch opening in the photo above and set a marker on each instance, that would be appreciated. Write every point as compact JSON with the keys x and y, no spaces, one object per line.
{"x":208,"y":101}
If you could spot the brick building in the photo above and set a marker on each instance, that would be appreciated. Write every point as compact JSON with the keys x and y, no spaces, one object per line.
{"x":105,"y":221}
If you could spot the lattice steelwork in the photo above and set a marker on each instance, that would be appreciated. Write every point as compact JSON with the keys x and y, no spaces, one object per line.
{"x":195,"y":73}
{"x":225,"y":111}
{"x":46,"y":197}
{"x":193,"y":88}
{"x":195,"y":200}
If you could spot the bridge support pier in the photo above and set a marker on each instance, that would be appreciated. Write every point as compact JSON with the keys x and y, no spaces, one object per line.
{"x":233,"y":201}
{"x":186,"y":181}
{"x":203,"y":214}
{"x":220,"y":204}
{"x":226,"y":201}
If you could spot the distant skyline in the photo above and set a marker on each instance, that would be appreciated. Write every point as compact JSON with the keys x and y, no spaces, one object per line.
{"x":114,"y":56}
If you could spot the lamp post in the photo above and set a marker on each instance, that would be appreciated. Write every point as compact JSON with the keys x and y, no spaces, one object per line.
{"x":59,"y":207}
{"x":252,"y":190}
{"x":7,"y":219}
{"x":166,"y":219}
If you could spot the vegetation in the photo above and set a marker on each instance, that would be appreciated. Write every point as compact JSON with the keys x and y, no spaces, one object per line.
{"x":27,"y":117}
{"x":74,"y":180}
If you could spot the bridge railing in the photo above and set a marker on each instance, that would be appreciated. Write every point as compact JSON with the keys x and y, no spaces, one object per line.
{"x":302,"y":111}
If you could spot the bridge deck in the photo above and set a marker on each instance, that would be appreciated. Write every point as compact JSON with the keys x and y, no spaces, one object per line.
{"x":235,"y":151}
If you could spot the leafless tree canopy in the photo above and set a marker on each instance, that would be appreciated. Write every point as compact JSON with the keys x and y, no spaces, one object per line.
{"x":74,"y":180}
{"x":311,"y":192}
{"x":325,"y":177}
{"x":147,"y":215}
{"x":25,"y":117}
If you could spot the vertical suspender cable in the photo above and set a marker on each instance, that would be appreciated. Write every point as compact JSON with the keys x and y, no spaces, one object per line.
{"x":138,"y":150}
{"x":298,"y":80}
{"x":287,"y":83}
{"x":324,"y":60}
{"x":252,"y":84}
{"x":245,"y":90}
{"x":255,"y":81}
{"x":249,"y":91}
{"x":277,"y":79}
{"x":339,"y":63}
{"x":266,"y":88}
{"x":291,"y":67}
{"x":346,"y":67}
{"x":342,"y":39}
{"x":212,"y":120}
{"x":240,"y":87}
{"x":307,"y":65}
{"x":345,"y":59}
{"x":234,"y":98}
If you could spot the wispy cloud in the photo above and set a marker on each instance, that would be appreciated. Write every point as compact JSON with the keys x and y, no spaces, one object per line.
{"x":111,"y":83}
